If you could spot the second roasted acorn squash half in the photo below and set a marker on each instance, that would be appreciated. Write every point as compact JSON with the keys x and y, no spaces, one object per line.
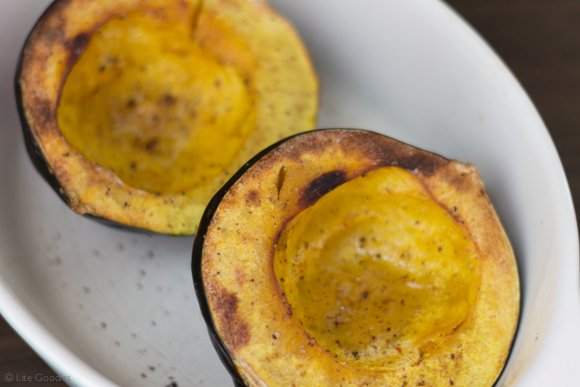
{"x":138,"y":111}
{"x":346,"y":258}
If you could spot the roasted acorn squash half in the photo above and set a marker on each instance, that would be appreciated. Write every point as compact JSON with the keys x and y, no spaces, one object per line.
{"x":346,"y":258}
{"x":137,"y":111}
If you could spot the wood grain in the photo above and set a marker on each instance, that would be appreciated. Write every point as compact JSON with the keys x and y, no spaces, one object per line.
{"x":538,"y":39}
{"x":18,"y":362}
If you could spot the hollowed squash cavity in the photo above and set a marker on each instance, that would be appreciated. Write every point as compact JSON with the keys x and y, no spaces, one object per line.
{"x":376,"y":270}
{"x":149,"y":102}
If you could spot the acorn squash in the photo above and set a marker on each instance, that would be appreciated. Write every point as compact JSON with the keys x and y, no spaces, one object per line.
{"x":346,"y":258}
{"x":136,"y":112}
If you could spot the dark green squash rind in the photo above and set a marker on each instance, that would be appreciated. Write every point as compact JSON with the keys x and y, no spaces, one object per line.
{"x":196,"y":262}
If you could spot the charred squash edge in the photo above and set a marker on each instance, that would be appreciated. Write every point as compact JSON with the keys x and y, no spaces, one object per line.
{"x":197,"y":254}
{"x":198,"y":243}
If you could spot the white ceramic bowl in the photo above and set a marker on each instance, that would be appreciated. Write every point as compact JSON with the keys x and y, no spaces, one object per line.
{"x":107,"y":307}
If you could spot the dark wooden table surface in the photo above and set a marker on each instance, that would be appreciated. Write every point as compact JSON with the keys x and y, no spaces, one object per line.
{"x":538,"y":39}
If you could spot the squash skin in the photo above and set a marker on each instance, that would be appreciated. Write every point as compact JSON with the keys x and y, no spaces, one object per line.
{"x":96,"y":192}
{"x":225,"y":299}
{"x":196,"y":265}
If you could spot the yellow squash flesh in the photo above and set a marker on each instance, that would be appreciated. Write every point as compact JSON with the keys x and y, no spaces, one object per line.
{"x":142,"y":109}
{"x":345,"y":258}
{"x":377,"y":271}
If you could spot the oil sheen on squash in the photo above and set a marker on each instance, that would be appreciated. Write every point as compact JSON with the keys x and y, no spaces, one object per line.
{"x":152,"y":104}
{"x":378,"y":272}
